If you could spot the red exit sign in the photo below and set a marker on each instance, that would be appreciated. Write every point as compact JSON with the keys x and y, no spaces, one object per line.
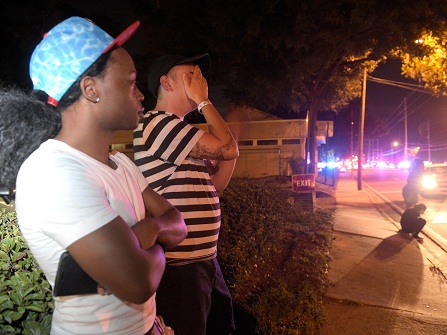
{"x":303,"y":182}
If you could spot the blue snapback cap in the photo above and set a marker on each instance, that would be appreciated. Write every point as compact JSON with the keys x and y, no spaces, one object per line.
{"x":66,"y":51}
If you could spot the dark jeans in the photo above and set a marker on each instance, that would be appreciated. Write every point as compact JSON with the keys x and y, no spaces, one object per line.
{"x":194,"y":300}
{"x":414,"y":226}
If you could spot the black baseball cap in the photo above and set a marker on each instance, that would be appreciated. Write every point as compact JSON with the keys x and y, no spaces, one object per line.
{"x":163,"y":64}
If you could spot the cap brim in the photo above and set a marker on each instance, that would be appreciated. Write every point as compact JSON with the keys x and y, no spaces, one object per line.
{"x":123,"y":37}
{"x":203,"y":61}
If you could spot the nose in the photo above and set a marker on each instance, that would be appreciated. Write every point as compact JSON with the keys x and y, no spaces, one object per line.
{"x":139,"y":95}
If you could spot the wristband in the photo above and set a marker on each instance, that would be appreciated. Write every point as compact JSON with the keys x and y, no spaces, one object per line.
{"x":203,"y":104}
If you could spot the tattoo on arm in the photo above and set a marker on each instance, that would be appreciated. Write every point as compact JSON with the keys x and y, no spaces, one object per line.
{"x":202,"y":151}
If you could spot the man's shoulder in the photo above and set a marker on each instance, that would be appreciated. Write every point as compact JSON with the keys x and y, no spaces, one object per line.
{"x":160,"y":113}
{"x":410,"y":212}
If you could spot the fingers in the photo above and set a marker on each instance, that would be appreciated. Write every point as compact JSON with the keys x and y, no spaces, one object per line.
{"x":197,"y":72}
{"x":102,"y":290}
{"x":198,"y":76}
{"x":196,"y":86}
{"x":195,"y":77}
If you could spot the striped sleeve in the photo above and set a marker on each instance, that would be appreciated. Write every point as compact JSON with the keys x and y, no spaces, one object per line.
{"x":165,"y":136}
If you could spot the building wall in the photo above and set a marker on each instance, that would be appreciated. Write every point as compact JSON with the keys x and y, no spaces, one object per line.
{"x":266,"y":147}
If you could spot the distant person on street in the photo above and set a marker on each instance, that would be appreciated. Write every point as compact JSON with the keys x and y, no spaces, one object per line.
{"x":411,"y":222}
{"x":411,"y":190}
{"x":188,"y":166}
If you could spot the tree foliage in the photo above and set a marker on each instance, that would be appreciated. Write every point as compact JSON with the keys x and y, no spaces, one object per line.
{"x":307,"y":55}
{"x":426,"y":61}
{"x":282,"y":56}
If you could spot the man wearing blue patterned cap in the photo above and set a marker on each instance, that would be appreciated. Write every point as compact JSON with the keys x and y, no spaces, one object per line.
{"x":100,"y":241}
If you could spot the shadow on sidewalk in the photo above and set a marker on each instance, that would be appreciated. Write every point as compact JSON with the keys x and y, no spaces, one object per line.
{"x":389,"y":275}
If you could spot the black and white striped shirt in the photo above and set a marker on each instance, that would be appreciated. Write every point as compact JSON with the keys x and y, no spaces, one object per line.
{"x":162,"y":143}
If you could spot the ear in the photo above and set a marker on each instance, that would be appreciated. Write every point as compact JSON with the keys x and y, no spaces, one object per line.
{"x":165,"y":82}
{"x":88,"y":88}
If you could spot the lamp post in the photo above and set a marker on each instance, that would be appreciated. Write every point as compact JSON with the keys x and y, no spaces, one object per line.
{"x":394,"y":144}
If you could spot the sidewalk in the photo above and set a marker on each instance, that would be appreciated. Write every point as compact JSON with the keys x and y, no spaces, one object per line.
{"x":382,"y":282}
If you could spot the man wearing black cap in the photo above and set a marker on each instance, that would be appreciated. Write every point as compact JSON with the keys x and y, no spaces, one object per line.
{"x":188,"y":166}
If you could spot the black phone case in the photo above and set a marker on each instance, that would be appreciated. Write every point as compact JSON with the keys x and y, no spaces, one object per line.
{"x":71,"y":279}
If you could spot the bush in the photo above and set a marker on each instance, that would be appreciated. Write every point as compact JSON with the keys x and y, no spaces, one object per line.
{"x":275,"y":259}
{"x":26,"y":302}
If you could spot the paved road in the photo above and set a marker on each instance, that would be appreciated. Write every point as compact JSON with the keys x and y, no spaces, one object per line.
{"x":388,"y":184}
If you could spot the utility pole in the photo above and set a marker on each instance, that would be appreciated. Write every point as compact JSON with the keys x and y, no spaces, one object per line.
{"x":428,"y":140}
{"x":361,"y":128}
{"x":406,"y":131}
{"x":352,"y":136}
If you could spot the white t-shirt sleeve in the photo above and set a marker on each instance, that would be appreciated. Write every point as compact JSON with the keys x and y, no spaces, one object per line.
{"x":65,"y":201}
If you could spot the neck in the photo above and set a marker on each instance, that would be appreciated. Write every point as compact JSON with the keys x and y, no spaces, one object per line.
{"x":91,"y":140}
{"x":172,"y":107}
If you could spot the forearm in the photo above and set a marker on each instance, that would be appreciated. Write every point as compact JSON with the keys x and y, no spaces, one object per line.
{"x":172,"y":229}
{"x":218,"y":143}
{"x":169,"y":229}
{"x":156,"y":262}
{"x":216,"y":124}
{"x":221,"y":175}
{"x":218,"y":128}
{"x":112,"y":256}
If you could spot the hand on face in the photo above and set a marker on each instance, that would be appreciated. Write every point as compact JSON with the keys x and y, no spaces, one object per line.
{"x":196,"y":86}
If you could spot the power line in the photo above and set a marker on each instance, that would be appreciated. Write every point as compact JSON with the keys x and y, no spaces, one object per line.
{"x":413,"y":87}
{"x":392,"y":118}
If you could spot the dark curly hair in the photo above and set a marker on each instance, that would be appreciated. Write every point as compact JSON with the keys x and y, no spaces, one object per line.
{"x":26,"y":121}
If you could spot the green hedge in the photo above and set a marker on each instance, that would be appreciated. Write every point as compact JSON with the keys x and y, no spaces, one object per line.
{"x":275,"y":259}
{"x":26,"y":302}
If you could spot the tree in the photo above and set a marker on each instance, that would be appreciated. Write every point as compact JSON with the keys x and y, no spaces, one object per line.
{"x":293,"y":56}
{"x":426,"y":61}
{"x":308,"y":55}
{"x":283,"y":56}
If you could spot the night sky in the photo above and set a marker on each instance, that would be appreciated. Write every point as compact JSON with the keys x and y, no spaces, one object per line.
{"x":382,"y":101}
{"x":387,"y":103}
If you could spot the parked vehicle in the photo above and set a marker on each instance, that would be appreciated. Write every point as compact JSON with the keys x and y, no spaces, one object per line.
{"x":434,"y":181}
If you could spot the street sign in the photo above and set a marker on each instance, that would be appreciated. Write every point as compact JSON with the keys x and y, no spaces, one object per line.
{"x":303,"y":182}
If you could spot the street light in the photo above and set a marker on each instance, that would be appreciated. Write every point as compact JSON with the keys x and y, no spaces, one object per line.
{"x":394,"y":144}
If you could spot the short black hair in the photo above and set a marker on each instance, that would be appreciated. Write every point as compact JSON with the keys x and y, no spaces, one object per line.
{"x":420,"y":206}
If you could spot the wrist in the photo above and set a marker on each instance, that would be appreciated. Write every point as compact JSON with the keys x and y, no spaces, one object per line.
{"x":203,"y":104}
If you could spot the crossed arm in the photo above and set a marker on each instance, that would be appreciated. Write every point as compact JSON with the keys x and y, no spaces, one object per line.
{"x":129,"y":262}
